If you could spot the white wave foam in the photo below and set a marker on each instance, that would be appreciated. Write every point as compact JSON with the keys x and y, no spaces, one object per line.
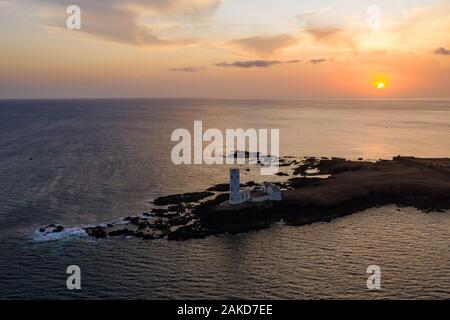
{"x":67,"y":233}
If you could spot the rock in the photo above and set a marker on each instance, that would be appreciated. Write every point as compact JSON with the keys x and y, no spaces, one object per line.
{"x":145,"y":235}
{"x":137,"y":221}
{"x":159,"y":212}
{"x":308,"y":164}
{"x":96,"y":232}
{"x":182,"y":198}
{"x":177,"y":208}
{"x":188,"y":232}
{"x":142,"y":225}
{"x":303,"y":182}
{"x":338,"y":165}
{"x":133,"y":220}
{"x":207,"y":205}
{"x":251,"y":184}
{"x":161,"y":226}
{"x":178,"y":221}
{"x":121,"y":232}
{"x":170,"y":215}
{"x":51,"y":228}
{"x":221,"y":187}
{"x":149,"y":236}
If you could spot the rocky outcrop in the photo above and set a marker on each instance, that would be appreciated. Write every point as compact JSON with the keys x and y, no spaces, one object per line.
{"x":353,"y":186}
{"x":51,"y":228}
{"x":182,"y":198}
{"x":96,"y":232}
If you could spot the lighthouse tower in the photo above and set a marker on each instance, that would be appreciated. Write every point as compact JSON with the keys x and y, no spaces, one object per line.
{"x":237,"y":196}
{"x":234,"y":186}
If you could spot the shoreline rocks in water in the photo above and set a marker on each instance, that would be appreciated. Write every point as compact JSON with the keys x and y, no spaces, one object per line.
{"x":182,"y":198}
{"x":353,"y":186}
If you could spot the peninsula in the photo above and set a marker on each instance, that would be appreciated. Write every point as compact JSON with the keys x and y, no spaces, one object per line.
{"x":315,"y":190}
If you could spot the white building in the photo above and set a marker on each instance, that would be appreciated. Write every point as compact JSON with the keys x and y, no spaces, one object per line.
{"x":270,"y":191}
{"x":236,"y":195}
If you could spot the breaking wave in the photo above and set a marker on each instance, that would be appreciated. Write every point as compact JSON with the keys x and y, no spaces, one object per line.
{"x":67,"y":233}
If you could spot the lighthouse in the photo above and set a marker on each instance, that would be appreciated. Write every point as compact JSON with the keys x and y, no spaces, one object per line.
{"x":236,"y":195}
{"x":234,"y":185}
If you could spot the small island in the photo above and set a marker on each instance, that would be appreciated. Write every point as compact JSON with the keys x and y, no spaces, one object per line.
{"x":316,"y":190}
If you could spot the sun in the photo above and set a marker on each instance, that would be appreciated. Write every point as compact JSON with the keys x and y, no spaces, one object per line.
{"x":380,"y":84}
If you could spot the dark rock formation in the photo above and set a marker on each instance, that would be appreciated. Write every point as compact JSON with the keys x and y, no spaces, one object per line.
{"x":96,"y":232}
{"x":299,"y":182}
{"x":182,"y":198}
{"x":193,"y":231}
{"x":308,"y":164}
{"x":51,"y":228}
{"x":121,"y":232}
{"x":221,"y":187}
{"x":337,"y":165}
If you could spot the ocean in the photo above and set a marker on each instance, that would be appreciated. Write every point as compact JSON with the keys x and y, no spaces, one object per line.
{"x":80,"y":162}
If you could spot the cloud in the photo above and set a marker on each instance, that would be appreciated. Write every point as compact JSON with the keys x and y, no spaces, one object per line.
{"x":424,"y":25}
{"x":306,"y":15}
{"x":293,"y":61}
{"x":323,"y":32}
{"x":332,"y":35}
{"x":327,"y":27}
{"x":317,"y":61}
{"x":250,"y":64}
{"x":187,"y":69}
{"x":255,"y":63}
{"x":146,"y":7}
{"x":442,"y":51}
{"x":131,"y":22}
{"x":264,"y":45}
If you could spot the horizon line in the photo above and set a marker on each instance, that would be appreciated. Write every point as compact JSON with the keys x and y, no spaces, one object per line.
{"x":223,"y":98}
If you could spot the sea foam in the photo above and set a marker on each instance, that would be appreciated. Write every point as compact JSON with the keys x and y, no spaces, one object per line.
{"x":67,"y":233}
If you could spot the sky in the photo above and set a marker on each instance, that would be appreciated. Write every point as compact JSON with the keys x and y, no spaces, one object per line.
{"x":225,"y":49}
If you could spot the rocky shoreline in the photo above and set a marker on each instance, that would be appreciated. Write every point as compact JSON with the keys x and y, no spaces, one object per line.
{"x":315,"y":190}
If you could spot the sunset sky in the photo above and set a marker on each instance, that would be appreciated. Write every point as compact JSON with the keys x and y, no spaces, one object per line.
{"x":225,"y":49}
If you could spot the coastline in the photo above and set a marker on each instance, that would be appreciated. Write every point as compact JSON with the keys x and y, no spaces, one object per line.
{"x":349,"y":186}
